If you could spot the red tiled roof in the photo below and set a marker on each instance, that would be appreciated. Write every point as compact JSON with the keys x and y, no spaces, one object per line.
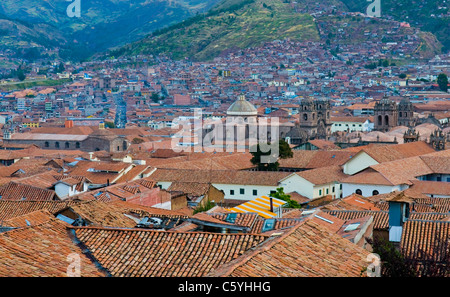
{"x":42,"y":251}
{"x":17,"y":192}
{"x":12,"y":209}
{"x":425,"y":242}
{"x":299,"y":252}
{"x":163,"y":253}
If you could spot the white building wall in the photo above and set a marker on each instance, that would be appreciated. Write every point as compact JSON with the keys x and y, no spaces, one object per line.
{"x":227,"y":188}
{"x":248,"y":191}
{"x":367,"y":190}
{"x":358,"y":163}
{"x":353,"y":126}
{"x":332,"y":189}
{"x":295,"y":183}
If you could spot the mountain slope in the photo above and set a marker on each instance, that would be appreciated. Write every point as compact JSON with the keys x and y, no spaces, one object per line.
{"x":103,"y":23}
{"x":233,"y":24}
{"x":427,"y":15}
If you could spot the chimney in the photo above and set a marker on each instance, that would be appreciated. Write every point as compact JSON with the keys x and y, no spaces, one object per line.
{"x":398,"y":214}
{"x":271,"y":204}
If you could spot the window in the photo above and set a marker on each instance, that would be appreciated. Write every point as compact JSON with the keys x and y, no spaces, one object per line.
{"x":320,"y":192}
{"x":231,"y":218}
{"x":231,"y":192}
{"x":327,"y":191}
{"x":57,"y":144}
{"x":255,"y":192}
{"x":67,"y":144}
{"x":375,"y":192}
{"x":268,"y":225}
{"x":77,"y":144}
{"x":241,"y":191}
{"x":46,"y":144}
{"x":358,"y":191}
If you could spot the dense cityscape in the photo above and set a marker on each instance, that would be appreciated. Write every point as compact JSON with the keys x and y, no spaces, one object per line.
{"x":145,"y":165}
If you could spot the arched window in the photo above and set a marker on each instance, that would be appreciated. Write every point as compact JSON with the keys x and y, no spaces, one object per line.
{"x":57,"y":144}
{"x":375,"y":192}
{"x":124,"y":145}
{"x":358,"y":191}
{"x":400,"y":114}
{"x":46,"y":144}
{"x":406,"y":114}
{"x":305,"y":116}
{"x":67,"y":145}
{"x":77,"y":144}
{"x":386,"y":120}
{"x":380,"y":120}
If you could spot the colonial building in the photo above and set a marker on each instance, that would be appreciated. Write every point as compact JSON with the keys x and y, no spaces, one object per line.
{"x":99,"y":140}
{"x":314,"y":121}
{"x":385,"y":114}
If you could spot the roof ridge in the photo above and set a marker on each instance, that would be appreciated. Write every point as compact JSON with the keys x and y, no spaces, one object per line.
{"x":106,"y":228}
{"x":427,"y":221}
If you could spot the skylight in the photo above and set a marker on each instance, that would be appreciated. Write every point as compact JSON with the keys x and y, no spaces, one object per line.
{"x":269,"y":224}
{"x":323,"y":219}
{"x":351,"y":227}
{"x":231,"y":218}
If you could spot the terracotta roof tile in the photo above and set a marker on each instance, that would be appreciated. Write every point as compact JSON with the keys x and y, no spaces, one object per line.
{"x":42,"y":250}
{"x":144,"y":253}
{"x":306,"y":250}
{"x":13,"y":209}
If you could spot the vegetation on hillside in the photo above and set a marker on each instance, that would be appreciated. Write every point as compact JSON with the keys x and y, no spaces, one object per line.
{"x":240,"y":25}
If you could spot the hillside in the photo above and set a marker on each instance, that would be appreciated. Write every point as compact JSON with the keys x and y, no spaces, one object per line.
{"x":231,"y":25}
{"x":30,"y":41}
{"x":103,"y":23}
{"x":427,"y":15}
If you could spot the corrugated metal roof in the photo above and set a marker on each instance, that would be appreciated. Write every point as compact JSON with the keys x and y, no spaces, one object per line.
{"x":260,"y":206}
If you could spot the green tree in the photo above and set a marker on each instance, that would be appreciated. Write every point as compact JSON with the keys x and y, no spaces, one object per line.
{"x":285,"y":149}
{"x":442,"y":81}
{"x":284,"y":152}
{"x":402,"y":75}
{"x":154,"y":97}
{"x":279,"y":194}
{"x":258,"y":154}
{"x":110,"y":125}
{"x":20,"y":74}
{"x":204,"y":207}
{"x":393,"y":263}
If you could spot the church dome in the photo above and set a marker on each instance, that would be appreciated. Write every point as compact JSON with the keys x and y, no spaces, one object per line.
{"x":242,"y":107}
